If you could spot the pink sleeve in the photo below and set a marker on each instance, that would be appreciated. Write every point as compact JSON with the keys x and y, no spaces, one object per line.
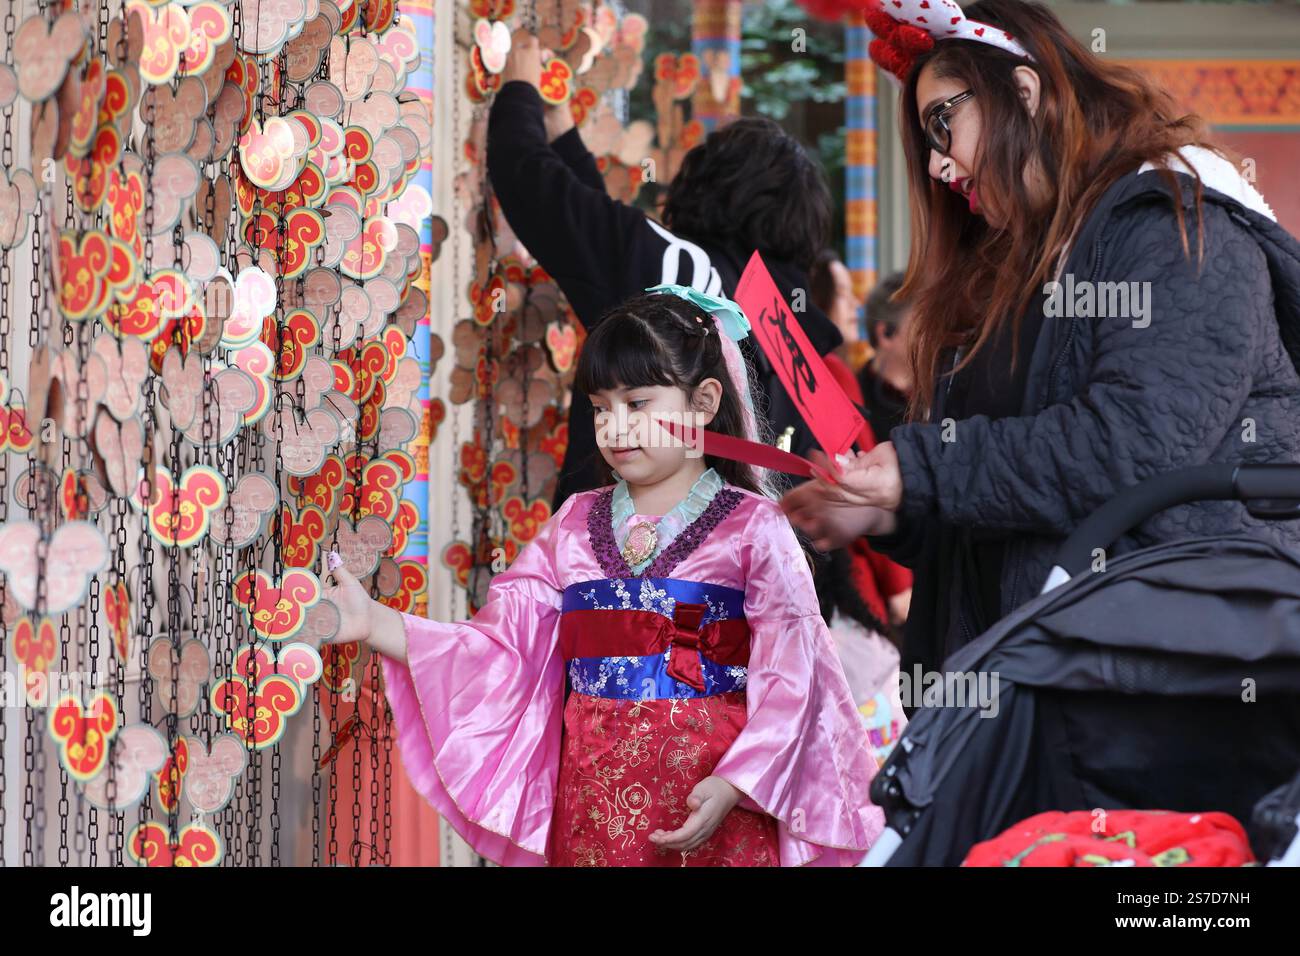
{"x":478,"y":709}
{"x":803,"y":755}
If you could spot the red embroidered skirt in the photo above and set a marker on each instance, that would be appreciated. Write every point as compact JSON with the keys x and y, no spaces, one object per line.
{"x":626,"y":770}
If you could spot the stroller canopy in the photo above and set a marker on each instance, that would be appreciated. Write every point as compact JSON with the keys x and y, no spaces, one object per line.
{"x":1202,"y":619}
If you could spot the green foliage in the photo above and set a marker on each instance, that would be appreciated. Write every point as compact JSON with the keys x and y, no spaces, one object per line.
{"x":790,"y":61}
{"x":788,"y":57}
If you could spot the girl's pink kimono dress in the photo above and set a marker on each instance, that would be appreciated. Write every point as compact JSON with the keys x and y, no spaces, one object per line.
{"x":713,"y":661}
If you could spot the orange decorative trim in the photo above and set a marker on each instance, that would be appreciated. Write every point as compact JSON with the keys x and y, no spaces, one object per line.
{"x":1232,"y":92}
{"x":860,"y":147}
{"x":716,"y":19}
{"x":860,"y":217}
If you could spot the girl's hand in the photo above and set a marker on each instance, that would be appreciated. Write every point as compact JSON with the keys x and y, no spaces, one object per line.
{"x":524,"y":61}
{"x":363,"y":619}
{"x":354,"y":604}
{"x":829,"y":525}
{"x":710,"y":800}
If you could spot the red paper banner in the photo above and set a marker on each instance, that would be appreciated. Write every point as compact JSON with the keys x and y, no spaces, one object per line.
{"x":740,"y":449}
{"x":831,"y":415}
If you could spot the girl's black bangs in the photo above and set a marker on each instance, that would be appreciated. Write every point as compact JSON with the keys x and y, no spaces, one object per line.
{"x":620,"y":353}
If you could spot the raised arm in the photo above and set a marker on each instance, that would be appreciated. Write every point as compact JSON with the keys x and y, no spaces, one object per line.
{"x":477,"y":704}
{"x":555,"y":201}
{"x":568,"y":145}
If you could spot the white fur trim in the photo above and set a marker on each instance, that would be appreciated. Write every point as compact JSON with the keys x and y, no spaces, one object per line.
{"x":1217,"y":173}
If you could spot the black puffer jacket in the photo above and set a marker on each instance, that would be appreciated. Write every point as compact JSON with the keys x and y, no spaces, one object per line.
{"x":1107,"y":402}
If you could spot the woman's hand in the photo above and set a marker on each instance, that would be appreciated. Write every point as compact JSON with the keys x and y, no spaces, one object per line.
{"x":710,"y":800}
{"x":827,"y":512}
{"x":524,"y":61}
{"x":870,"y":478}
{"x":361,"y":618}
{"x":830,"y":525}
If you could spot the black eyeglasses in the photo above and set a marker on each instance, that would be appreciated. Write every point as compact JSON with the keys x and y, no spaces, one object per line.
{"x":937,"y":131}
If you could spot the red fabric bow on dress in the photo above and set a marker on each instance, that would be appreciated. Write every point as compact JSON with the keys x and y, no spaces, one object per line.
{"x":723,"y":642}
{"x":600,"y":633}
{"x":684,"y":660}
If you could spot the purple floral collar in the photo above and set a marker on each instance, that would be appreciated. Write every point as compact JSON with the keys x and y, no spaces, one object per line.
{"x":600,"y":532}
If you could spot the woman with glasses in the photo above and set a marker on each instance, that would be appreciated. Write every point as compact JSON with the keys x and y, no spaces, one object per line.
{"x":1098,"y":296}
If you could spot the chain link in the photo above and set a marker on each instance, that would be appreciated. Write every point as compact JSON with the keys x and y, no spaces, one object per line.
{"x":212,"y":609}
{"x":6,"y":283}
{"x":117,"y":821}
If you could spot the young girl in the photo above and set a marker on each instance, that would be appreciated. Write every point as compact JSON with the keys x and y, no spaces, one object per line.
{"x":707,"y":721}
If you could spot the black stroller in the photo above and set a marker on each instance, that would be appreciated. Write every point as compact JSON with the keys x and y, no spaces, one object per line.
{"x":1169,"y":681}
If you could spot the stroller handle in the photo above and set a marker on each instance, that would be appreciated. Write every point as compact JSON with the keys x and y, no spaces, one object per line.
{"x":1270,"y":491}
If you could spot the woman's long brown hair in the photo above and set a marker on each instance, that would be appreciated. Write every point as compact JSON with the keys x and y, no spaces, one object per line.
{"x":1096,"y":121}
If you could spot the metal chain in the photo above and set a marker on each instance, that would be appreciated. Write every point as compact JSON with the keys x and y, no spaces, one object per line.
{"x":118,"y":820}
{"x":226,"y":639}
{"x":232,"y":462}
{"x":316,"y":834}
{"x":35,"y":814}
{"x":146,"y":591}
{"x":376,"y":697}
{"x":277,"y":559}
{"x":6,"y":282}
{"x":81,"y":334}
{"x":92,"y":632}
{"x":174,"y":622}
{"x":29,"y":772}
{"x":65,"y":638}
{"x":146,"y":538}
{"x":34,"y":282}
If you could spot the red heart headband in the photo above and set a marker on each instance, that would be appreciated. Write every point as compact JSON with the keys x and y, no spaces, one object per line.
{"x":904,"y":28}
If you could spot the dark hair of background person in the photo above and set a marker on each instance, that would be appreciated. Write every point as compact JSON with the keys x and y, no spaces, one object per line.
{"x":881,"y":310}
{"x":821,"y":284}
{"x":752,"y":186}
{"x":1096,"y":122}
{"x":660,"y":339}
{"x":833,"y":578}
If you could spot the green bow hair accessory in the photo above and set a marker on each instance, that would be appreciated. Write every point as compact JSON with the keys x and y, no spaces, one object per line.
{"x":728,"y":314}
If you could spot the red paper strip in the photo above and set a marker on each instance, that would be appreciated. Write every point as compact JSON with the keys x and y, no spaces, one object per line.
{"x":828,"y":412}
{"x":740,"y":449}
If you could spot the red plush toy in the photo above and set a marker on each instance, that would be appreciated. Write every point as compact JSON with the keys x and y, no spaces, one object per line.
{"x":1117,"y":838}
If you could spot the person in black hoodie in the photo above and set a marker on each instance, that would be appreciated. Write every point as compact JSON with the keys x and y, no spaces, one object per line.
{"x":749,"y":186}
